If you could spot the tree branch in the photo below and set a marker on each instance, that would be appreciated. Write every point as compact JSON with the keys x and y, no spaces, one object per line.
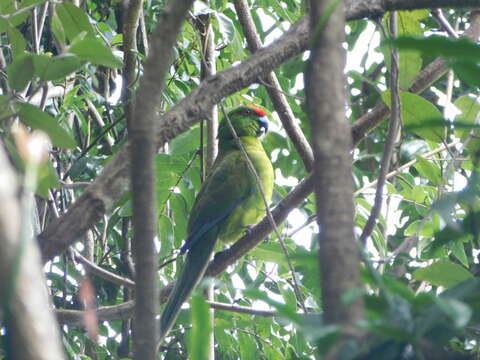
{"x":274,"y":88}
{"x":93,"y":268}
{"x":376,"y":8}
{"x":130,"y":54}
{"x":393,"y":128}
{"x":332,"y":169}
{"x":111,"y":184}
{"x":143,"y":149}
{"x":124,"y":311}
{"x":431,"y":73}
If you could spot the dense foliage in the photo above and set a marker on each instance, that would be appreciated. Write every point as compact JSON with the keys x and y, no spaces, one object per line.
{"x":61,"y":72}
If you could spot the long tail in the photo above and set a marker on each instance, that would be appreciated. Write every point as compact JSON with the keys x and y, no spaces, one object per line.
{"x":193,"y":270}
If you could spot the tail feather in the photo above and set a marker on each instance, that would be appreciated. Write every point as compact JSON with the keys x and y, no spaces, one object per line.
{"x":193,"y":270}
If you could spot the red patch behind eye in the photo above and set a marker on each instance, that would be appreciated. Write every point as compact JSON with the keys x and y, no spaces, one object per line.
{"x":259,"y":111}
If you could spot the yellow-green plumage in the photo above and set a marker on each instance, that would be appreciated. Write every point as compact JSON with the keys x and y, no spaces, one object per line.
{"x":229,"y":202}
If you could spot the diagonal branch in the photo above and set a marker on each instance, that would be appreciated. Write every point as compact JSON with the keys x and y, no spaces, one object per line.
{"x":269,"y":216}
{"x":113,"y":182}
{"x":274,"y":88}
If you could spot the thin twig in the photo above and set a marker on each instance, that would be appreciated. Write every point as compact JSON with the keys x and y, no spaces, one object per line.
{"x":75,"y":185}
{"x":105,"y":274}
{"x":275,"y":90}
{"x":266,"y":84}
{"x":391,"y":174}
{"x":92,"y":144}
{"x":395,"y":120}
{"x":407,"y":165}
{"x":20,"y":11}
{"x":124,"y":311}
{"x":438,"y":15}
{"x":180,"y":177}
{"x":143,"y":31}
{"x":98,"y":118}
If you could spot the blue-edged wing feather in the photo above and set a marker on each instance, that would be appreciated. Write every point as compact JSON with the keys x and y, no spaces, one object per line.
{"x":229,"y":184}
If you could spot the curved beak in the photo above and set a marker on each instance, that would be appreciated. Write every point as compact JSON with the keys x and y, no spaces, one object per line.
{"x":263,"y":121}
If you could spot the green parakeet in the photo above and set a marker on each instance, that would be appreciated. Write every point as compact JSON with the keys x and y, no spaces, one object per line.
{"x":228,"y":203}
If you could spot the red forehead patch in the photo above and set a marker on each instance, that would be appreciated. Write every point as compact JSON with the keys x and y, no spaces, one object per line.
{"x":258,"y":110}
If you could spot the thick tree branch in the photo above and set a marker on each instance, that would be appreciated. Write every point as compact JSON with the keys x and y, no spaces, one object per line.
{"x":111,"y":184}
{"x":331,"y":140}
{"x":376,"y":8}
{"x":143,"y":148}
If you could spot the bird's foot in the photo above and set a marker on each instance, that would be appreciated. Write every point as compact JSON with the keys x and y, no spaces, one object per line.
{"x":247,"y":230}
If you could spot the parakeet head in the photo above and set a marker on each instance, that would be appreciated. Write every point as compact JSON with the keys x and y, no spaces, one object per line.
{"x":247,"y":120}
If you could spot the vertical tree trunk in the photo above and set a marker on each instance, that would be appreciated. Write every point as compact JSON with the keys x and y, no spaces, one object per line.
{"x":325,"y":91}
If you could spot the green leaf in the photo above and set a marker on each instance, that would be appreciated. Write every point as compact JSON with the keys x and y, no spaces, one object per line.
{"x":248,"y":347}
{"x":165,"y":235}
{"x":20,"y":72}
{"x":289,"y":297}
{"x":419,"y":116}
{"x":96,"y":52}
{"x":16,"y":40}
{"x":459,"y":49}
{"x":225,"y":27}
{"x":201,"y":328}
{"x":7,"y":7}
{"x":429,"y":170}
{"x":442,"y":273}
{"x":56,"y":67}
{"x":426,"y":230}
{"x":38,"y":119}
{"x":458,"y":250}
{"x":283,"y":309}
{"x":57,"y":29}
{"x":186,"y":142}
{"x":180,"y":216}
{"x":271,"y":252}
{"x":469,"y":108}
{"x":74,"y":20}
{"x":47,"y":179}
{"x":410,"y":61}
{"x":467,"y":71}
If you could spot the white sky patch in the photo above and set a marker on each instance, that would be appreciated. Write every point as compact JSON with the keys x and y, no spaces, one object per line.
{"x":371,"y":39}
{"x":303,"y":237}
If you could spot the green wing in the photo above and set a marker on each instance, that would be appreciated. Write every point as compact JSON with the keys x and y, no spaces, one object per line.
{"x":229,"y":184}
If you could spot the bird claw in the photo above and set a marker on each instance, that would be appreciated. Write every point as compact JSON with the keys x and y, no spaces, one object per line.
{"x":248,"y":229}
